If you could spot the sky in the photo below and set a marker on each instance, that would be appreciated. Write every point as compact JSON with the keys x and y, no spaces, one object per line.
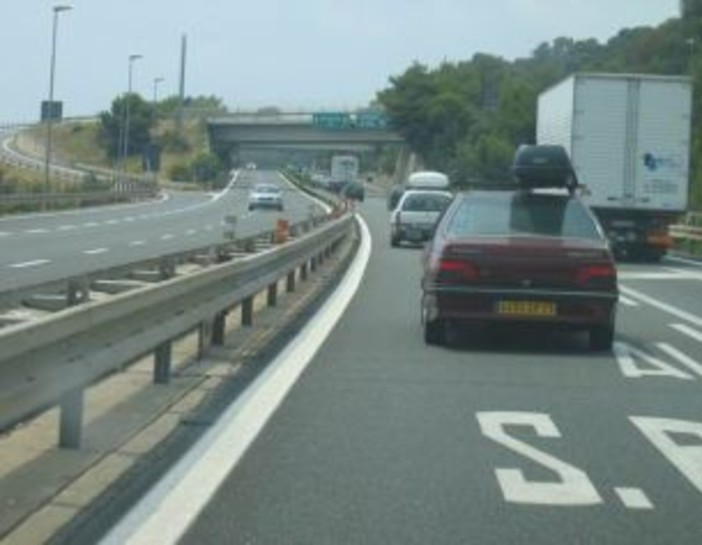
{"x":295,"y":54}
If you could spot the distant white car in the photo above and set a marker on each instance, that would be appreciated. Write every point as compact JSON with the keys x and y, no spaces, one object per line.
{"x":416,"y":214}
{"x":266,"y":196}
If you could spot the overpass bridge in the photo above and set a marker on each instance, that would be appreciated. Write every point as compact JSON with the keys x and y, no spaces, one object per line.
{"x":293,"y":131}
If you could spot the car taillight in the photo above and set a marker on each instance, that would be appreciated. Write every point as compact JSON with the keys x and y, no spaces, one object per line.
{"x":456,"y":270}
{"x":596,"y":275}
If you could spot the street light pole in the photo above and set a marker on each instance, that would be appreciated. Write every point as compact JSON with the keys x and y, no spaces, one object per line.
{"x":125,"y":142}
{"x":157,"y":81}
{"x":50,"y":107}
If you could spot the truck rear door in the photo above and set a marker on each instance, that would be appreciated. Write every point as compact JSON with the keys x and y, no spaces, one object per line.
{"x":662,"y":145}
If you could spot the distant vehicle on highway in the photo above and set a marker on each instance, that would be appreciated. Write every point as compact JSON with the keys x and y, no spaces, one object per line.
{"x":354,"y":190}
{"x":394,"y":196}
{"x":423,"y":179}
{"x":251,"y":166}
{"x":266,"y":196}
{"x":521,"y":255}
{"x":344,"y":170}
{"x":416,"y":214}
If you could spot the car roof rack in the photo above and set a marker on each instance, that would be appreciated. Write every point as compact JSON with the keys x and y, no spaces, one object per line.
{"x":544,"y":166}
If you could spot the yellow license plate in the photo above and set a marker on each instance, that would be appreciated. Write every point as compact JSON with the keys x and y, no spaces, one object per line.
{"x":526,"y":308}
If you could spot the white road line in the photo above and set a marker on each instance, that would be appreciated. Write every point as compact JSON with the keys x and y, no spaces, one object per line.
{"x":66,"y":228}
{"x":191,"y":232}
{"x":36,"y":231}
{"x":167,"y":237}
{"x":634,"y":498}
{"x":128,"y":218}
{"x":90,"y":224}
{"x":685,"y":261}
{"x":168,"y":509}
{"x":27,"y":264}
{"x":685,"y":330}
{"x":683,"y":358}
{"x":665,"y":307}
{"x":96,"y":251}
{"x":209,"y":227}
{"x":111,"y":222}
{"x":660,"y":275}
{"x":627,"y":302}
{"x":5,"y":234}
{"x":137,"y":243}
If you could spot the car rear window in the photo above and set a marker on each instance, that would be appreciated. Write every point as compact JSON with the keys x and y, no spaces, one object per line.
{"x":523,"y":214}
{"x":426,"y":202}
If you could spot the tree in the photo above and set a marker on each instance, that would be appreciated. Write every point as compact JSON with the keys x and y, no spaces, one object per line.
{"x":691,"y":9}
{"x":142,"y":118}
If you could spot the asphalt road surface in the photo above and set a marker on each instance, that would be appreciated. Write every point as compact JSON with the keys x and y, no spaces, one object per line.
{"x":511,"y":436}
{"x":44,"y":247}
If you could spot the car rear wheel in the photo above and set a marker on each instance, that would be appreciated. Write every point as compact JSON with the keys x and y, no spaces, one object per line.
{"x":251,"y":207}
{"x":601,"y":338}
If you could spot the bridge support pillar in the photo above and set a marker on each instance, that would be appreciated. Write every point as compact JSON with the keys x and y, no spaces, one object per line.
{"x":247,"y":312}
{"x":273,"y":294}
{"x":71,"y":419}
{"x":162,"y":363}
{"x":290,"y":282}
{"x":303,"y":271}
{"x":219,"y":326}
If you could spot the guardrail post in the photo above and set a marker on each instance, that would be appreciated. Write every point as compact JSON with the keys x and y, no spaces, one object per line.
{"x":247,"y":312}
{"x":71,"y":419}
{"x":290,"y":282}
{"x":162,"y":363}
{"x":167,"y":268}
{"x":273,"y":294}
{"x":313,"y":264}
{"x":219,"y":326}
{"x":78,"y":292}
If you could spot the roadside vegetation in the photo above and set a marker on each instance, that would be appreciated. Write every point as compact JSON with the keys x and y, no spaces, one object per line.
{"x":184,"y":155}
{"x":467,"y":117}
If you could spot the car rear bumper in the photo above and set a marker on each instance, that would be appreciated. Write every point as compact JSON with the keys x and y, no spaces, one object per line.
{"x":265,"y":204}
{"x":572,"y":308}
{"x":414,"y":233}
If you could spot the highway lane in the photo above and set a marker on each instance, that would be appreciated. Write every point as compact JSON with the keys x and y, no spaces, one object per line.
{"x":510,"y":436}
{"x":42,"y":248}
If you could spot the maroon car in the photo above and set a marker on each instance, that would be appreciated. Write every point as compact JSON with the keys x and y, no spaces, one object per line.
{"x":519,"y":255}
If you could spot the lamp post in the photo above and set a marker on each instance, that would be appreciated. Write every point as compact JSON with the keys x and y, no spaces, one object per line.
{"x":127,"y":100}
{"x":50,"y":116}
{"x":157,"y":81}
{"x":690,"y":62}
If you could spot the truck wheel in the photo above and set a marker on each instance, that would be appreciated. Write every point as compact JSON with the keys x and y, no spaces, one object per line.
{"x":652,"y":256}
{"x":601,"y":338}
{"x":435,"y":332}
{"x":394,"y":241}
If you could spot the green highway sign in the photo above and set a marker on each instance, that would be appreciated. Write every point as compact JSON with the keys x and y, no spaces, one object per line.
{"x":370,"y":119}
{"x":333,"y":120}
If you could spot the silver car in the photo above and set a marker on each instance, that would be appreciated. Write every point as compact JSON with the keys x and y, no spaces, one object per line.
{"x":266,"y":196}
{"x":416,"y":214}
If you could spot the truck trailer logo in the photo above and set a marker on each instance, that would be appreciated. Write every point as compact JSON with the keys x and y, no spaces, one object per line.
{"x":657,"y":162}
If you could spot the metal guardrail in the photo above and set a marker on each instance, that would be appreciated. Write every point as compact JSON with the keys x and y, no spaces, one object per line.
{"x":689,"y":232}
{"x":76,"y":289}
{"x":48,"y":363}
{"x":127,"y":184}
